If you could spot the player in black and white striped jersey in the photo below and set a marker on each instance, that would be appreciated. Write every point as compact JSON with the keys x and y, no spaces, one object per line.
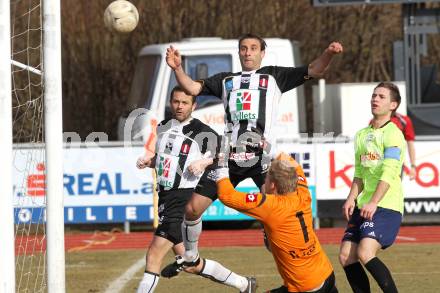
{"x":185,"y":148}
{"x":250,"y":98}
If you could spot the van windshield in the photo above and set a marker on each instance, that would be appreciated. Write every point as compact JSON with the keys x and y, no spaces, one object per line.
{"x":201,"y":67}
{"x":144,"y":80}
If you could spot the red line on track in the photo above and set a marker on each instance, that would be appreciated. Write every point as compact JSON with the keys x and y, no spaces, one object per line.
{"x":209,"y":238}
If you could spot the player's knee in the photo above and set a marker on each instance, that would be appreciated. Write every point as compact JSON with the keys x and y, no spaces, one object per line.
{"x":365,"y":255}
{"x":345,"y":258}
{"x":191,"y":213}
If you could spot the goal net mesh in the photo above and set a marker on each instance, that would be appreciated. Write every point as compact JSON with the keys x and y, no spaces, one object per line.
{"x":28,"y":154}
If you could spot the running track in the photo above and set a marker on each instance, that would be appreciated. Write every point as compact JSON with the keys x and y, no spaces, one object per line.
{"x":139,"y":240}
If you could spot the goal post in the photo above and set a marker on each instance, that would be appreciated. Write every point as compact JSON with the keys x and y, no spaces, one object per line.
{"x":54,"y":145}
{"x":7,"y":253}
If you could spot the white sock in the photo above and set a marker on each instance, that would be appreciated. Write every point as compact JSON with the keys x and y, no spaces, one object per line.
{"x":218,"y":273}
{"x":148,"y":283}
{"x":191,"y":231}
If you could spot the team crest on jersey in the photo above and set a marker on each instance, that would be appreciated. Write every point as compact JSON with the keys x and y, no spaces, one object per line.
{"x":370,"y":137}
{"x":251,"y":197}
{"x":169,"y":146}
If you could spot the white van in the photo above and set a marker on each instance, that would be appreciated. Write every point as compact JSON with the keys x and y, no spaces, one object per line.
{"x":202,"y":57}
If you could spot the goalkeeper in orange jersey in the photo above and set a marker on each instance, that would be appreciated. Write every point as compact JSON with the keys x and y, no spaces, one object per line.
{"x":284,"y":208}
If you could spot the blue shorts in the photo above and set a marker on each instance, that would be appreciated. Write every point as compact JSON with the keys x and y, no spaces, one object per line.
{"x":384,"y":227}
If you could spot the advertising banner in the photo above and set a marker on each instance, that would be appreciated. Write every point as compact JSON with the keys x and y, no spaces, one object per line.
{"x":103,"y":185}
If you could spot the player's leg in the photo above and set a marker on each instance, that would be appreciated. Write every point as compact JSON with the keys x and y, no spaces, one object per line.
{"x":355,"y":273}
{"x":328,"y":286}
{"x":379,"y":233}
{"x":202,"y":197}
{"x":348,"y":257}
{"x":235,"y":178}
{"x":192,"y":224}
{"x":218,"y":273}
{"x":157,"y":250}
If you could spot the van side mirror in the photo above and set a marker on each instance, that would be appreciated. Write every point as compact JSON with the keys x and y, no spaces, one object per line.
{"x":201,"y":71}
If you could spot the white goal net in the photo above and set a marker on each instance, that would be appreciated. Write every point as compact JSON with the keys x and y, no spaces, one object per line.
{"x":29,"y":194}
{"x":35,"y":78}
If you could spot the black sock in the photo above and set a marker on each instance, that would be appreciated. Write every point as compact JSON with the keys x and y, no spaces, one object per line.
{"x":382,"y":275}
{"x":357,"y":278}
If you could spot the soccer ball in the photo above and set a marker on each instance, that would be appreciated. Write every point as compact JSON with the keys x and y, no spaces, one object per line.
{"x":121,"y":16}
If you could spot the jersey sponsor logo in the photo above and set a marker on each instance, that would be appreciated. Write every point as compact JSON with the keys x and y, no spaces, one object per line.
{"x":244,"y":104}
{"x":164,"y":167}
{"x":243,"y":101}
{"x":305,"y":252}
{"x":165,"y":183}
{"x":369,"y":159}
{"x":251,"y":197}
{"x":184,"y":150}
{"x":244,"y":116}
{"x":372,"y":234}
{"x":241,"y":157}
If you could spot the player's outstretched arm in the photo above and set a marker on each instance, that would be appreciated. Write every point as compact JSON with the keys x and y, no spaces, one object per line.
{"x":174,"y":61}
{"x":247,"y":203}
{"x":320,"y":65}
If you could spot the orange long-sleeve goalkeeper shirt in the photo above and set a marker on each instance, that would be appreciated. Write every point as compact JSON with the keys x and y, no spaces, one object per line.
{"x":287,"y":220}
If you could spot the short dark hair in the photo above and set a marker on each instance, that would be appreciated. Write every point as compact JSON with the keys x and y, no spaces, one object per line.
{"x":252,"y":36}
{"x":394,"y":92}
{"x":180,"y":89}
